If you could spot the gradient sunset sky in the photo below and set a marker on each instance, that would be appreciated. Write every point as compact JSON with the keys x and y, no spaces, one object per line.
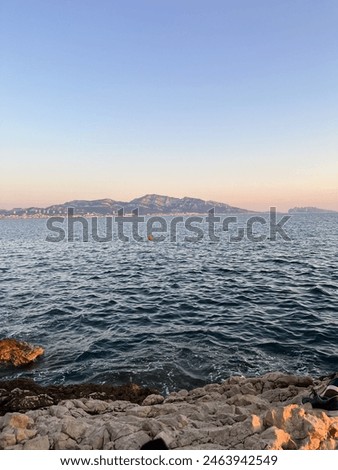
{"x":229,"y":100}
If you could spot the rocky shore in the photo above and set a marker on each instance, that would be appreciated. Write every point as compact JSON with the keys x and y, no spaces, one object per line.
{"x":240,"y":413}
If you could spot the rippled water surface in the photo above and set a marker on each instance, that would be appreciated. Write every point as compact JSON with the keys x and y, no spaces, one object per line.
{"x":171,"y":315}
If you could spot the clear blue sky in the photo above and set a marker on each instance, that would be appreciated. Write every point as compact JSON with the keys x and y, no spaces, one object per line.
{"x":232,"y":100}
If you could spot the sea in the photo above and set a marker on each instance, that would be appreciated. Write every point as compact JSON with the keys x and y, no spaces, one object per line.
{"x":173,"y":313}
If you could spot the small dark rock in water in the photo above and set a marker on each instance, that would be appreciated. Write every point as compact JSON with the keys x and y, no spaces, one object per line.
{"x":24,"y":394}
{"x":18,"y":353}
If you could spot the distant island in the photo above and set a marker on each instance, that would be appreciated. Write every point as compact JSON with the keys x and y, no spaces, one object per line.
{"x":306,"y":210}
{"x":149,"y":204}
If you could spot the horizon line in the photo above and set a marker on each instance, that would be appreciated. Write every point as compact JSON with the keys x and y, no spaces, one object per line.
{"x":269,"y":206}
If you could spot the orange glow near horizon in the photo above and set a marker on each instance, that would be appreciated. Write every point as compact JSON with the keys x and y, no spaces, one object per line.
{"x":257,"y":199}
{"x":251,"y":187}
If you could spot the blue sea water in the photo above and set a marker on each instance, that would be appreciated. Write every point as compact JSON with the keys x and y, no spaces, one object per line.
{"x":171,"y":314}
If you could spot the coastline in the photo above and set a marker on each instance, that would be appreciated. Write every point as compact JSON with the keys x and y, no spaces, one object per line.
{"x":250,"y":413}
{"x":102,"y":216}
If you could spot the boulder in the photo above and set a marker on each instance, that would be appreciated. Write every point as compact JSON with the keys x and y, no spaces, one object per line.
{"x":18,"y":353}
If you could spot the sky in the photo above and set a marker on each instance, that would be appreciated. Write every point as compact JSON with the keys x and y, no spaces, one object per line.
{"x":227,"y":100}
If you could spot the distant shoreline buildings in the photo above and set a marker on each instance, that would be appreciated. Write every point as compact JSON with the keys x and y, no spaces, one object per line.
{"x":150,"y":204}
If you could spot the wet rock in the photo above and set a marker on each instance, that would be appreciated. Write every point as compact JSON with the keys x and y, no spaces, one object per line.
{"x":18,"y":353}
{"x":30,"y":402}
{"x":25,"y":394}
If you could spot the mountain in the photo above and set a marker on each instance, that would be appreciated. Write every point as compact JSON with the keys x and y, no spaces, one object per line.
{"x":305,"y":210}
{"x":147,"y":205}
{"x":155,"y":204}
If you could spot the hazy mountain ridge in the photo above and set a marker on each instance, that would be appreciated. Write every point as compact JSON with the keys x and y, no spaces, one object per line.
{"x":309,"y":209}
{"x":147,"y":205}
